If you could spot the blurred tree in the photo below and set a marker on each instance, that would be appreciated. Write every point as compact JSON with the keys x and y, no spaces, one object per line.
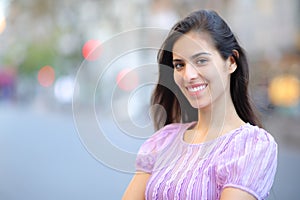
{"x":38,"y":55}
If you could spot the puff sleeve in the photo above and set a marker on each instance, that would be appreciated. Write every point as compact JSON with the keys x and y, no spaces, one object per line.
{"x":249,"y":163}
{"x":150,"y":149}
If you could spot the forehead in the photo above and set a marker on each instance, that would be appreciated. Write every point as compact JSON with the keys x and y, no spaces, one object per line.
{"x":191,"y":43}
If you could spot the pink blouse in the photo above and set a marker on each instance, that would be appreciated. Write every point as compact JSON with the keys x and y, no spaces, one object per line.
{"x":245,"y":158}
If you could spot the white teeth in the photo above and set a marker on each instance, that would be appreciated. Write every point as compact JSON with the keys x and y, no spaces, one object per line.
{"x":195,"y":89}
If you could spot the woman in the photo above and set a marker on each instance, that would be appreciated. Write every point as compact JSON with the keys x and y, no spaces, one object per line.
{"x":209,"y":146}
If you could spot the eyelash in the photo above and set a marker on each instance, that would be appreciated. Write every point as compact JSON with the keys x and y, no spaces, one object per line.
{"x":200,"y":62}
{"x":178,"y":67}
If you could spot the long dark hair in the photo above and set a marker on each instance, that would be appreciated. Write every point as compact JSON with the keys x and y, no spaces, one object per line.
{"x":176,"y":107}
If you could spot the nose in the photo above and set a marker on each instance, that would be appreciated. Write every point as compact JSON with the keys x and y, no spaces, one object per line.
{"x":190,"y":72}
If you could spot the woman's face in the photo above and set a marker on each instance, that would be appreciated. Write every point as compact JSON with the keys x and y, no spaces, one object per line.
{"x":199,"y":70}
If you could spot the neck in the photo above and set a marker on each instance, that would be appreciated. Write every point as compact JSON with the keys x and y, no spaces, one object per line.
{"x":218,"y":119}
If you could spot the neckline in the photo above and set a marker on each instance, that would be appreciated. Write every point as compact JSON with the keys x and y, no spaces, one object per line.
{"x":188,"y":125}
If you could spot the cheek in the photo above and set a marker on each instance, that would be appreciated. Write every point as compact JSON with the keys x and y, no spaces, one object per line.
{"x":177,"y":78}
{"x":220,"y":75}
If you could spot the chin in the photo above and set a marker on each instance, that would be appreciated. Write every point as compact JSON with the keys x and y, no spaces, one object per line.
{"x":199,"y":105}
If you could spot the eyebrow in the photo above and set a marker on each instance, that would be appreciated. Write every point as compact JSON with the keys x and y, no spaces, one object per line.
{"x":199,"y":54}
{"x":194,"y":56}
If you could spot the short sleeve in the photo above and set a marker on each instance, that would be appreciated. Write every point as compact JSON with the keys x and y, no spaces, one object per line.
{"x":249,"y":163}
{"x":150,"y":149}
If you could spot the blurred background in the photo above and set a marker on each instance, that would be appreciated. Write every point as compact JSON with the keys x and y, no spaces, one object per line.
{"x":45,"y":43}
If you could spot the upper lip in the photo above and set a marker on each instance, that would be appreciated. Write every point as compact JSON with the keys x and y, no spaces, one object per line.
{"x":196,"y":85}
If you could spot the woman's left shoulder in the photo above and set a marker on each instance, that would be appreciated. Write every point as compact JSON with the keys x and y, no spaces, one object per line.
{"x":249,"y":161}
{"x":249,"y":139}
{"x":255,"y":134}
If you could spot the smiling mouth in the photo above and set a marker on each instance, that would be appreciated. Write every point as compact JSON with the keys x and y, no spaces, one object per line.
{"x":197,"y":88}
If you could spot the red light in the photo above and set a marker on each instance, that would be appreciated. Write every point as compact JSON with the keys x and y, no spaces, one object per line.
{"x":127,"y":79}
{"x":46,"y":76}
{"x":91,"y":50}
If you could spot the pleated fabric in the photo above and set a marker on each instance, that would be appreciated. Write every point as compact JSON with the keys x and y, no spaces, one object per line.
{"x":245,"y":158}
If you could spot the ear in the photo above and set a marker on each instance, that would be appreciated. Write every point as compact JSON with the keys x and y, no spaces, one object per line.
{"x":232,"y":61}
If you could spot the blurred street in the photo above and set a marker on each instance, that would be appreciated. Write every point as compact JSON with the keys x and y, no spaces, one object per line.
{"x":42,"y":157}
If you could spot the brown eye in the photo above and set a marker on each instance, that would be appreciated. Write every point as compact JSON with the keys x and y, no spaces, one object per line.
{"x":178,"y":66}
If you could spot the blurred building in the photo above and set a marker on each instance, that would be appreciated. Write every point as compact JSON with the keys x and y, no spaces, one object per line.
{"x":45,"y":33}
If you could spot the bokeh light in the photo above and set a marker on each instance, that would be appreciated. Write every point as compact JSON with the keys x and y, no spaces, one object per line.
{"x":127,"y":79}
{"x":2,"y":24}
{"x":91,"y":50}
{"x":284,"y":90}
{"x":64,"y":89}
{"x":46,"y":76}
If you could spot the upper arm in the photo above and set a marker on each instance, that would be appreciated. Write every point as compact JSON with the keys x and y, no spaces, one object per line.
{"x":231,"y":193}
{"x":146,"y":159}
{"x":249,"y":166}
{"x":137,"y":186}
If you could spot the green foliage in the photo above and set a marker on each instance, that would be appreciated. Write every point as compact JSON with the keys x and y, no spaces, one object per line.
{"x":37,"y":56}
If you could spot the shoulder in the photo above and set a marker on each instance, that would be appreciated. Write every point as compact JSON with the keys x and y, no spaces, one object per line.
{"x":249,"y":161}
{"x":249,"y":135}
{"x":151,"y":148}
{"x":161,"y":138}
{"x":249,"y":144}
